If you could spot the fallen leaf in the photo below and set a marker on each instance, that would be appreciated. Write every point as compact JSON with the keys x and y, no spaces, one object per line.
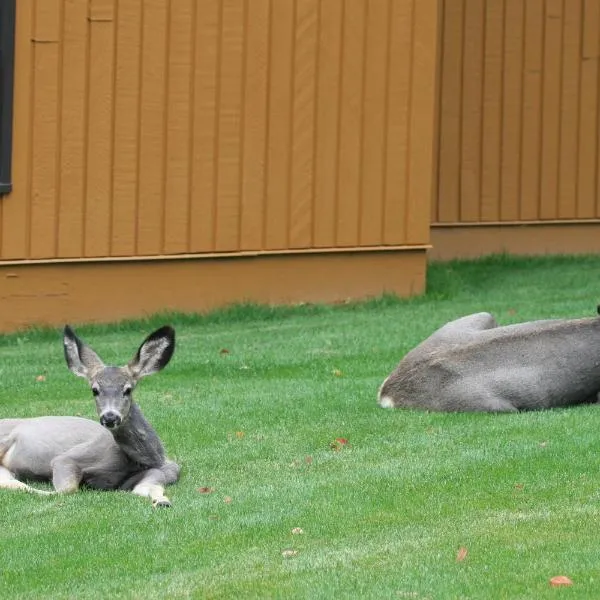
{"x":206,"y":490}
{"x":461,"y":554}
{"x":227,"y":499}
{"x":560,"y":580}
{"x":519,"y":486}
{"x":213,"y":517}
{"x":543,"y":444}
{"x":337,"y":372}
{"x":223,"y":351}
{"x":239,"y":434}
{"x":40,"y":378}
{"x":338,"y":444}
{"x":297,"y":531}
{"x":308,"y":460}
{"x":289,"y":552}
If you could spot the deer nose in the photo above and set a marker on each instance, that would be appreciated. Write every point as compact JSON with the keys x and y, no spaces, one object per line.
{"x":110,"y":420}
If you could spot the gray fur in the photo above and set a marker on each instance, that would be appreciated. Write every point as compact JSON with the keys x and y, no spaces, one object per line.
{"x":71,"y":451}
{"x":472,"y":364}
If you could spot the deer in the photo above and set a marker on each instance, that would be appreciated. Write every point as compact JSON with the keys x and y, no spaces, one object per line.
{"x":473,"y":364}
{"x":120,"y":451}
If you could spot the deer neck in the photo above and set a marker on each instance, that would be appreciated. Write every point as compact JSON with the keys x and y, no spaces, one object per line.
{"x":138,"y":440}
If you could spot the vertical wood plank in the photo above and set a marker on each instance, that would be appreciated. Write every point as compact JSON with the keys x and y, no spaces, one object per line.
{"x":350,"y":124}
{"x":204,"y":116}
{"x":551,"y":109}
{"x":398,"y":94}
{"x":372,"y":159}
{"x":492,"y":110}
{"x":255,"y":126}
{"x":451,"y":57}
{"x":303,"y":125}
{"x":127,"y":117}
{"x":327,"y":134}
{"x":512,"y":100}
{"x":532,"y":110}
{"x":72,"y":132}
{"x":44,"y":180}
{"x":473,"y":51}
{"x":280,"y":103}
{"x":421,"y":123}
{"x":588,"y":122}
{"x":152,"y":127}
{"x":229,"y":158}
{"x":178,"y":174}
{"x":100,"y":129}
{"x":47,"y":23}
{"x":15,"y":207}
{"x":569,"y":111}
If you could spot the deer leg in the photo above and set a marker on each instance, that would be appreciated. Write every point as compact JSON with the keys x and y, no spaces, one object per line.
{"x":9,"y":482}
{"x":152,"y":485}
{"x":66,"y":475}
{"x":151,"y":482}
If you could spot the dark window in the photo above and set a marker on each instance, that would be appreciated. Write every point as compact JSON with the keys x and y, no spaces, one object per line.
{"x":7,"y":53}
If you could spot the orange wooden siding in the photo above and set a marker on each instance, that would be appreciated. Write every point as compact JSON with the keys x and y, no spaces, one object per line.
{"x":518,"y":111}
{"x":218,"y":126}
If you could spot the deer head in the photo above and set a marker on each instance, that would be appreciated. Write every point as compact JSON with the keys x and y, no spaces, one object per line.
{"x":111,"y":386}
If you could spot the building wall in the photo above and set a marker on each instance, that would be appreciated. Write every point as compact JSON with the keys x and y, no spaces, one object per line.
{"x":518,"y":131}
{"x":205,"y":129}
{"x":160,"y":128}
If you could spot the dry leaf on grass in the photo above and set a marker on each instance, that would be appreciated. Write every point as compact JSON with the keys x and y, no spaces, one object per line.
{"x":338,"y":444}
{"x":337,"y":372}
{"x":560,"y":580}
{"x":289,"y":552}
{"x":223,"y":351}
{"x":239,"y":434}
{"x":461,"y":554}
{"x":308,"y":460}
{"x":227,"y":499}
{"x":40,"y":378}
{"x":297,"y":531}
{"x":206,"y":490}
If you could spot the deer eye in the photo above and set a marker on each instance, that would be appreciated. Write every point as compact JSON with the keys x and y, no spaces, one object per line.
{"x":127,"y":391}
{"x":95,"y":390}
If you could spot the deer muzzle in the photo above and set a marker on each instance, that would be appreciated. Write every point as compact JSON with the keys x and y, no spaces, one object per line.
{"x":110,"y":420}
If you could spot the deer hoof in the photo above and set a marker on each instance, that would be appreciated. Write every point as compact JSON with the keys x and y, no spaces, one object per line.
{"x":162,"y":503}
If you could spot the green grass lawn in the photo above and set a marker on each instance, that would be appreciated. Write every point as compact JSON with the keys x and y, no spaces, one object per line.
{"x":251,"y":405}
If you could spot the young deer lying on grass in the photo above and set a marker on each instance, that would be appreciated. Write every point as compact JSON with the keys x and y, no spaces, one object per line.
{"x":123,"y":452}
{"x":472,"y":364}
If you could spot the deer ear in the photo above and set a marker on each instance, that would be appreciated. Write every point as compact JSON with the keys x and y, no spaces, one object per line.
{"x":154,"y":353}
{"x":81,"y":359}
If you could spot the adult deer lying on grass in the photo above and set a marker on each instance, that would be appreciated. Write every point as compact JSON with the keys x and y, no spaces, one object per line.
{"x":123,"y":452}
{"x":472,"y":364}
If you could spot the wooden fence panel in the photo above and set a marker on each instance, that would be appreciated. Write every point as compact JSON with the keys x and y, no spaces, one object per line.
{"x":518,"y":102}
{"x":73,"y":132}
{"x":100,"y":129}
{"x":397,"y":108}
{"x":153,"y":110}
{"x":163,"y":128}
{"x":45,"y":143}
{"x":128,"y":32}
{"x":204,"y":126}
